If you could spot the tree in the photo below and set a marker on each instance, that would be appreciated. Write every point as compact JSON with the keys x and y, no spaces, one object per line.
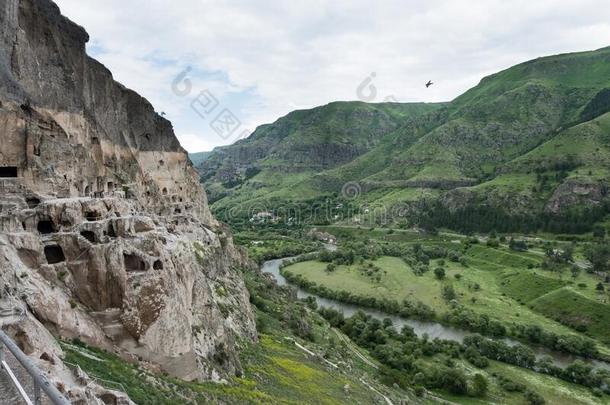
{"x":331,"y":267}
{"x":479,"y":385}
{"x":599,"y":232}
{"x":599,"y":256}
{"x":448,"y":293}
{"x":439,"y":272}
{"x":454,"y":381}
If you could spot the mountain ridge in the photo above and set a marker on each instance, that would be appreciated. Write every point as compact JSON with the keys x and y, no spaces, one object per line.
{"x":462,"y":145}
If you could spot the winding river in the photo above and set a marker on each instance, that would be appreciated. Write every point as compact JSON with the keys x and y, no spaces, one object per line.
{"x":432,"y":329}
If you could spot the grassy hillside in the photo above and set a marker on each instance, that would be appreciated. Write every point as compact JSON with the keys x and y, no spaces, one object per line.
{"x":300,"y":145}
{"x":528,"y":140}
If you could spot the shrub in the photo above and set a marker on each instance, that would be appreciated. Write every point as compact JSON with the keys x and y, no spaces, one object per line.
{"x":479,"y":385}
{"x":439,"y":272}
{"x":534,"y":398}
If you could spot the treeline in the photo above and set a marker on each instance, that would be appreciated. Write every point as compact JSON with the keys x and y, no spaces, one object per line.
{"x":459,"y":316}
{"x":562,"y":343}
{"x":401,"y":351}
{"x":418,"y":257}
{"x":522,"y":356}
{"x":484,"y":218}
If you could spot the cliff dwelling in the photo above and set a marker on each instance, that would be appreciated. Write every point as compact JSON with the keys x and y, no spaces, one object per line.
{"x":54,"y":254}
{"x":92,"y":216}
{"x":133,"y":262}
{"x":46,"y":227}
{"x":32,"y":202}
{"x":89,"y":235}
{"x":8,"y":171}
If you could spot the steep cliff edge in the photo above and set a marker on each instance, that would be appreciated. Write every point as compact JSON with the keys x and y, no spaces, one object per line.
{"x":105,"y":232}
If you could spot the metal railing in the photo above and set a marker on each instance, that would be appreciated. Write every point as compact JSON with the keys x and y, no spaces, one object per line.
{"x":39,"y":379}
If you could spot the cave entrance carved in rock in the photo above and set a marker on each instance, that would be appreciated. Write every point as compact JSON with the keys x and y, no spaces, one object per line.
{"x":133,"y":262}
{"x":54,"y":254}
{"x":8,"y":171}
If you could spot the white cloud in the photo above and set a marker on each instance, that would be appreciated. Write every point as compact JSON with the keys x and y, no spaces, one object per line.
{"x":263,"y":59}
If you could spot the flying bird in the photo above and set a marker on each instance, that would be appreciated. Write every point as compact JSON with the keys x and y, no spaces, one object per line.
{"x":430,"y":83}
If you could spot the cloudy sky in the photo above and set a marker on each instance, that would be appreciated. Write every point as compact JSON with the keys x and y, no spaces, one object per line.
{"x":217,"y":69}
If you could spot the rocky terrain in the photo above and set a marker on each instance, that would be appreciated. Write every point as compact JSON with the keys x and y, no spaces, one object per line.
{"x":105,"y":232}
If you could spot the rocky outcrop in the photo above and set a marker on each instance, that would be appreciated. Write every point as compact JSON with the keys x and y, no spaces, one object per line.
{"x":577,"y":193}
{"x":105,"y":232}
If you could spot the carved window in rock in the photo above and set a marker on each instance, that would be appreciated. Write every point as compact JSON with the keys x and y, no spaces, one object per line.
{"x":92,"y":216}
{"x":54,"y":254}
{"x":133,"y":262}
{"x":8,"y":171}
{"x":89,"y":235}
{"x":32,"y":202}
{"x":46,"y":226}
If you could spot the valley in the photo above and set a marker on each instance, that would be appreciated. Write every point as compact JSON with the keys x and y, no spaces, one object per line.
{"x":355,"y":252}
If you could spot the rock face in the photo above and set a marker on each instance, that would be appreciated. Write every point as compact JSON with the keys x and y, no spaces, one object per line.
{"x":105,"y":232}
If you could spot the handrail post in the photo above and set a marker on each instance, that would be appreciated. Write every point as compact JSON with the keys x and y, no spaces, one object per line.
{"x":41,"y":382}
{"x":37,"y":397}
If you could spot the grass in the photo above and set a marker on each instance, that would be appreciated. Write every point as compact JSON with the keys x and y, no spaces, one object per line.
{"x":276,"y":372}
{"x":397,"y":280}
{"x":524,"y":286}
{"x":571,"y":308}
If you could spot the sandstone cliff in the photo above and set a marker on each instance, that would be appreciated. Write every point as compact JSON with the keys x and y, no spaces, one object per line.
{"x":105,"y":232}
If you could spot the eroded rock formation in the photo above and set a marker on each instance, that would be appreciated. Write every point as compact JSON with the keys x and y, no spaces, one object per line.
{"x":105,"y":232}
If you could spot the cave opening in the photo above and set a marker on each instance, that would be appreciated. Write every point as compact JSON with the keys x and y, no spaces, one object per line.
{"x":92,"y":216}
{"x":8,"y":171}
{"x":133,"y":262}
{"x":46,"y":227}
{"x":111,"y":232}
{"x":158,"y":265}
{"x":32,"y":202}
{"x":89,"y":235}
{"x":54,"y":254}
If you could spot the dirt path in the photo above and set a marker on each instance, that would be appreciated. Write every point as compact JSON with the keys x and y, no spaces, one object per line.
{"x":350,"y":346}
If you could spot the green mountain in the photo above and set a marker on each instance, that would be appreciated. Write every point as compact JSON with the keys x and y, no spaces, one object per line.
{"x":199,"y":157}
{"x":300,"y":145}
{"x":530,"y":142}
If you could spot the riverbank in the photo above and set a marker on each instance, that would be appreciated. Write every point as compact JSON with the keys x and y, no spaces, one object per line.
{"x":432,"y":329}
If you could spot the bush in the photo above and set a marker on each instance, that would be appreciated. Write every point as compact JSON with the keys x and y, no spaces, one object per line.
{"x":493,"y":243}
{"x":454,"y":381}
{"x":479,"y":385}
{"x":517,"y":245}
{"x":439,"y":272}
{"x":448,"y":293}
{"x":534,"y":398}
